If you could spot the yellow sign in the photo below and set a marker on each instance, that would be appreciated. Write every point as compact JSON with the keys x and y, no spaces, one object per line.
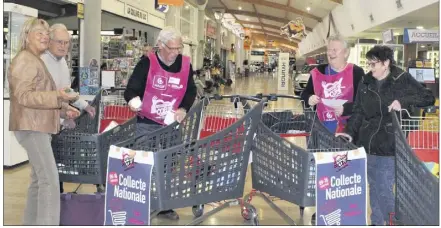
{"x":80,"y":10}
{"x":171,"y":2}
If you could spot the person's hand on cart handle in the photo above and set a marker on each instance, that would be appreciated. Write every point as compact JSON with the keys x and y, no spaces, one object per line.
{"x":180,"y":114}
{"x":347,"y":136}
{"x":313,"y":100}
{"x":135,"y":104}
{"x":91,"y":110}
{"x":396,"y":106}
{"x":68,"y":94}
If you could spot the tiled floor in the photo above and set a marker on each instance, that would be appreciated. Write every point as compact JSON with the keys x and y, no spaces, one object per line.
{"x":17,"y":180}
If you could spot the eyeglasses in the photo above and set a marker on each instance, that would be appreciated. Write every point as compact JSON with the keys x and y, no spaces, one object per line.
{"x":178,"y":49}
{"x":334,"y":50}
{"x":372,"y":64}
{"x":61,"y":42}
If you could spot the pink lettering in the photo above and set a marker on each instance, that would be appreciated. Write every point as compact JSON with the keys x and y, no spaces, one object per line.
{"x":352,"y":213}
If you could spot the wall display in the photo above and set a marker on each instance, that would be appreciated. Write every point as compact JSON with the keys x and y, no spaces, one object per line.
{"x":89,"y":81}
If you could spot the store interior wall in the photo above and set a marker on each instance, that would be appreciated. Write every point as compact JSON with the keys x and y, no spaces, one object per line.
{"x":110,"y":21}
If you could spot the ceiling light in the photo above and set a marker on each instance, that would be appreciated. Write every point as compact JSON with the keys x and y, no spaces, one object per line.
{"x":252,"y":26}
{"x":240,"y":7}
{"x":187,"y":7}
{"x":422,"y":46}
{"x":420,"y":27}
{"x":396,"y":34}
{"x":247,"y":19}
{"x":308,"y":8}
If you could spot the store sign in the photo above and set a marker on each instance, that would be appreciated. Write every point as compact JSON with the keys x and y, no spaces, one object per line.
{"x":80,"y":10}
{"x":136,"y":14}
{"x":388,"y":36}
{"x":420,"y":36}
{"x":283,"y":74}
{"x":341,"y":182}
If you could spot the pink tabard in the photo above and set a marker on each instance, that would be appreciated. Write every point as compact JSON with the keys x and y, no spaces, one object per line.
{"x":338,"y":86}
{"x":164,"y":91}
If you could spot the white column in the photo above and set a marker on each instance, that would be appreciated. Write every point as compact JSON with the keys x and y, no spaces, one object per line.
{"x":91,"y":32}
{"x":200,"y":38}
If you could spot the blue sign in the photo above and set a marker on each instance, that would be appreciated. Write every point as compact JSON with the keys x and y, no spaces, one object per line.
{"x":341,"y":197}
{"x":128,"y":187}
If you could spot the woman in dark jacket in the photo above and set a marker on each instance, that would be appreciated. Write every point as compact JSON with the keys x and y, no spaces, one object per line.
{"x":384,"y":89}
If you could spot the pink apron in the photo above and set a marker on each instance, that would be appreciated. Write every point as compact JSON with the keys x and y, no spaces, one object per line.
{"x":164,"y":91}
{"x":337,"y":86}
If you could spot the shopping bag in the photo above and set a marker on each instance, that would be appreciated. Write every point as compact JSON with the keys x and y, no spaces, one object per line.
{"x":128,"y":187}
{"x":82,"y":209}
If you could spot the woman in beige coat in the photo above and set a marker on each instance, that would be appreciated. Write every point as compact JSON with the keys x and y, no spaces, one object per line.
{"x":36,"y":108}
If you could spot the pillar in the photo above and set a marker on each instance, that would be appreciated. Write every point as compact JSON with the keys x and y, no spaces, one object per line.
{"x":239,"y":53}
{"x":90,"y":32}
{"x":218,"y":37}
{"x":201,"y":38}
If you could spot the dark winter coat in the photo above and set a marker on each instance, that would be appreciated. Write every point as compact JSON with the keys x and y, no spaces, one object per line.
{"x":371,"y":124}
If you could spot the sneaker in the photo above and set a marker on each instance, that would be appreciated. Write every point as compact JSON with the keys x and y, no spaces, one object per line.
{"x":170,"y":214}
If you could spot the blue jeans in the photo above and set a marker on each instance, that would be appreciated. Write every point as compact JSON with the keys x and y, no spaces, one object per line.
{"x":381,"y":179}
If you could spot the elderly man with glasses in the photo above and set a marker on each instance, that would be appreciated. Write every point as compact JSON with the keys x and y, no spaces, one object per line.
{"x":162,"y":84}
{"x":55,"y":62}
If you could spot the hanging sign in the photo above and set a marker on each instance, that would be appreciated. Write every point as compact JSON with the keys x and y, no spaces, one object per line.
{"x":420,"y":36}
{"x":80,"y":10}
{"x":341,"y":180}
{"x":294,"y":29}
{"x":388,"y":36}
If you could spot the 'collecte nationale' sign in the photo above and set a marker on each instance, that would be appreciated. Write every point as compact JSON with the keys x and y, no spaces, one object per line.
{"x":420,"y":36}
{"x":341,"y":182}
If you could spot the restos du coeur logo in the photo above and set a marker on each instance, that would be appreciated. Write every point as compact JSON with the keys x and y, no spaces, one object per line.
{"x":160,"y":82}
{"x":341,"y":161}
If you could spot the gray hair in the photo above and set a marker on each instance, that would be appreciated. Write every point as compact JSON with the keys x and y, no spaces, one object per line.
{"x":340,"y":39}
{"x":167,"y":34}
{"x":56,"y":27}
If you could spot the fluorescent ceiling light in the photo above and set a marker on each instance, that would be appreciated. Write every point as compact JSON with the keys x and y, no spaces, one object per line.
{"x":422,"y":46}
{"x":240,"y":7}
{"x":308,"y":8}
{"x":420,"y":27}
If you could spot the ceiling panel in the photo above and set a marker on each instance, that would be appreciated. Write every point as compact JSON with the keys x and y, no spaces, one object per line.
{"x":270,"y":22}
{"x":272,"y":30}
{"x":319,"y":8}
{"x":284,"y":2}
{"x":270,"y":11}
{"x":214,"y":4}
{"x":234,"y":5}
{"x":246,"y":18}
{"x":252,"y":26}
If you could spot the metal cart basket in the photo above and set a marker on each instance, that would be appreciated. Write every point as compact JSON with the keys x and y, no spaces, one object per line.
{"x":282,"y":168}
{"x":195,"y":167}
{"x":81,"y":153}
{"x":416,"y":188}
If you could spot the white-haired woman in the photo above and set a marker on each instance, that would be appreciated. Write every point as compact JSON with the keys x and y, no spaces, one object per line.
{"x":162,"y":84}
{"x":36,"y":108}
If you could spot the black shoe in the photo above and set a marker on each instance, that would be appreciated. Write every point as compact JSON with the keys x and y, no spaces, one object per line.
{"x":170,"y":214}
{"x":313,"y":219}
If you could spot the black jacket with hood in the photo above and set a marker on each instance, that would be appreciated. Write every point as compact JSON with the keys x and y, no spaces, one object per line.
{"x":371,"y":124}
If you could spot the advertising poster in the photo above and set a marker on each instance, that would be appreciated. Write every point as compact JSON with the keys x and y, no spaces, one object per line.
{"x":128,"y":187}
{"x":283,"y":72}
{"x":341,"y":184}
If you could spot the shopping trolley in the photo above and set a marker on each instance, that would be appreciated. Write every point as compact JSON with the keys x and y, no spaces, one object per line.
{"x":285,"y":169}
{"x":118,"y":218}
{"x":81,"y":153}
{"x":192,"y":170}
{"x":416,"y":188}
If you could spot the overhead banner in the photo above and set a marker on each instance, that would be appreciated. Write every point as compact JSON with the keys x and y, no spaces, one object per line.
{"x":420,"y":36}
{"x":341,"y":180}
{"x":128,"y":187}
{"x":283,"y":72}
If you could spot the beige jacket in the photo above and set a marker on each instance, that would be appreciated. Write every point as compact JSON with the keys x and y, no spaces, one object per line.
{"x":35,"y":102}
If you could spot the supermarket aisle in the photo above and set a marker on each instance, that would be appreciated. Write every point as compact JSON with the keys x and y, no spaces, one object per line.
{"x":17,"y":180}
